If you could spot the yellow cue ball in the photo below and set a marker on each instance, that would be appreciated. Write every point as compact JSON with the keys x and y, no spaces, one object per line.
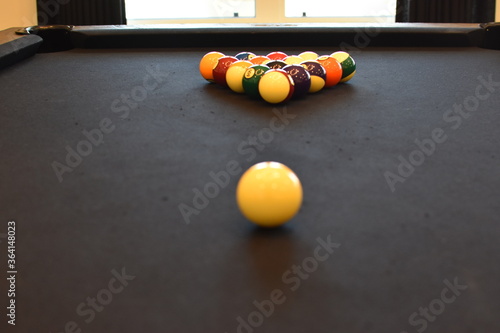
{"x":276,"y":86}
{"x":269,"y":194}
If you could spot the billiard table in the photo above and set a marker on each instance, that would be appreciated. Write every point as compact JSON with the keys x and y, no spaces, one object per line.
{"x":120,"y":165}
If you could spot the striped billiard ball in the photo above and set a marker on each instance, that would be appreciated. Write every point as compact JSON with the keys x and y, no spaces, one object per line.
{"x":318,"y":75}
{"x":301,"y":79}
{"x":348,"y":65}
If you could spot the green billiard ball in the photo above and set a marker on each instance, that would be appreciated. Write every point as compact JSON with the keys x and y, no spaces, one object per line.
{"x":251,"y":79}
{"x":348,"y":65}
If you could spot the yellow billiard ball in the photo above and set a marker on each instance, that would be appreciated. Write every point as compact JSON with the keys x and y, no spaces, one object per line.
{"x":309,"y":55}
{"x":269,"y":194}
{"x":235,"y":73}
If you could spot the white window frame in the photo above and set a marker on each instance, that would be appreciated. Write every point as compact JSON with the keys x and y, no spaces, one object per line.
{"x":268,"y":12}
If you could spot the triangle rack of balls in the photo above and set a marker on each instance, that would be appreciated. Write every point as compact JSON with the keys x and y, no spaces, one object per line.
{"x":277,"y":76}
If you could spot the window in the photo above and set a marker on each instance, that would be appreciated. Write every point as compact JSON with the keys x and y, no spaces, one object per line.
{"x":259,"y":11}
{"x":341,"y":8}
{"x":189,"y":9}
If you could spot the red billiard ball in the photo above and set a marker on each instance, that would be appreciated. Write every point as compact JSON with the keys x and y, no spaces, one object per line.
{"x":277,"y":55}
{"x":219,"y":71}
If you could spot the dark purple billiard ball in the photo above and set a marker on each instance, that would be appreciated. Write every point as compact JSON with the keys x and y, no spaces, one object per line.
{"x":301,"y":78}
{"x":276,"y":64}
{"x":318,"y":75}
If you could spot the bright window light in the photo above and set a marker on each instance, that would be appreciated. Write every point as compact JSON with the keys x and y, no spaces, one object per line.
{"x":189,"y":9}
{"x":341,"y":8}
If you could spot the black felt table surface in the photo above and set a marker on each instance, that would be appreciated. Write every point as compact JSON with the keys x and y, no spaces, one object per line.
{"x":117,"y":210}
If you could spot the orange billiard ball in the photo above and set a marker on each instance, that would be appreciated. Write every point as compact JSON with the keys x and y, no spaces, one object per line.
{"x":208,"y":63}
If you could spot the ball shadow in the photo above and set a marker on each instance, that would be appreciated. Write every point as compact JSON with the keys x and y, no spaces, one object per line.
{"x":251,"y":106}
{"x":271,"y":252}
